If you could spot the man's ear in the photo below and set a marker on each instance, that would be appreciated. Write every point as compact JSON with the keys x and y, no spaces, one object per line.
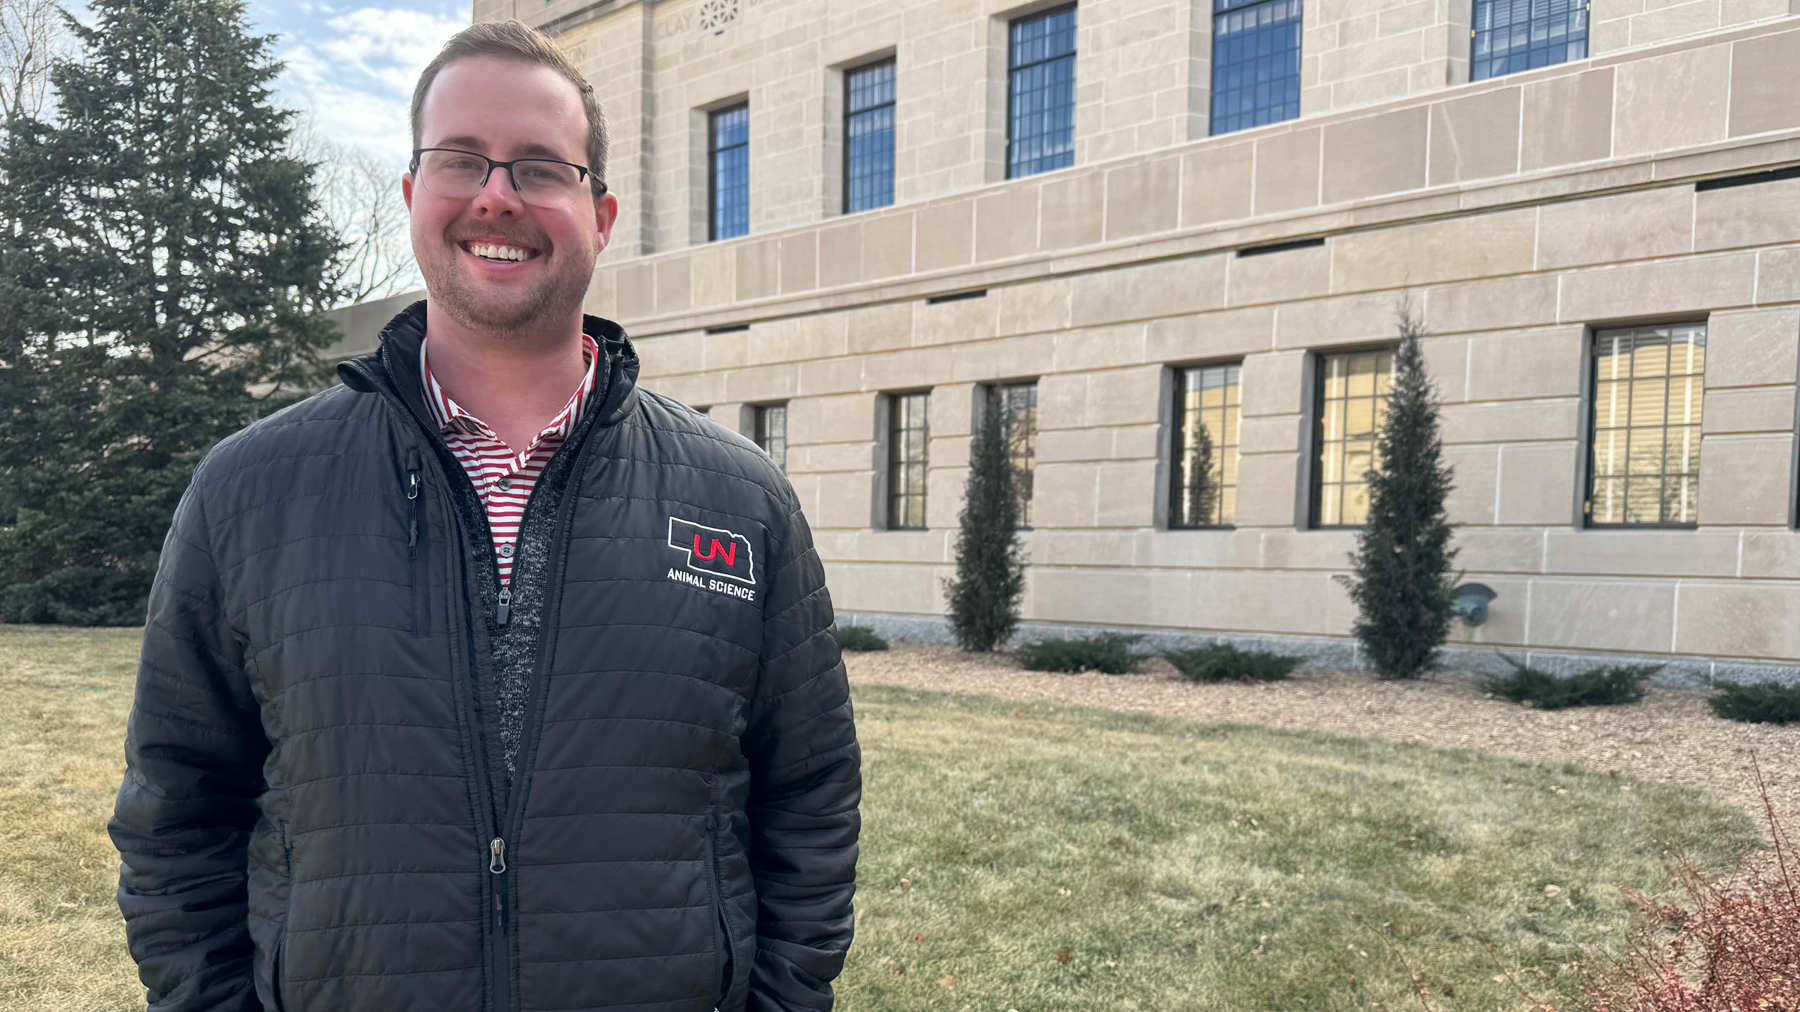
{"x":606,"y":211}
{"x":406,"y":185}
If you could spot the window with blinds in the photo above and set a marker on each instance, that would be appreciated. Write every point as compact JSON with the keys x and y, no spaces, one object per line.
{"x":1645,"y":462}
{"x":1513,"y":35}
{"x":907,"y":433}
{"x":771,"y":432}
{"x":1352,"y":406}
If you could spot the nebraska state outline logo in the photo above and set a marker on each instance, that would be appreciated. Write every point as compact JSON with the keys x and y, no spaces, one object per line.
{"x":714,"y":552}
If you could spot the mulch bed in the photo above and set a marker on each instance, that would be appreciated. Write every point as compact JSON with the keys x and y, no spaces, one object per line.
{"x":1669,"y":737}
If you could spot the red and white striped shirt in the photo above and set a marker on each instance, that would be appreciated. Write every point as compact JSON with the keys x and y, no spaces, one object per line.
{"x":503,"y":479}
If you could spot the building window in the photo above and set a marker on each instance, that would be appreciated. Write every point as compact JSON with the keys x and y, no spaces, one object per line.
{"x":1648,"y":382}
{"x":869,"y":137}
{"x":1256,"y":63}
{"x":1203,"y":487}
{"x":1514,"y":35}
{"x":729,"y":172}
{"x":1015,"y":406}
{"x":771,"y":432}
{"x":1040,"y":121}
{"x":1352,"y":406}
{"x":907,"y":433}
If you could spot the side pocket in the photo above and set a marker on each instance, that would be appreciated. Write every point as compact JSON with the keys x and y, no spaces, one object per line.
{"x":721,"y":926}
{"x":279,"y":972}
{"x":278,"y":980}
{"x":415,"y":543}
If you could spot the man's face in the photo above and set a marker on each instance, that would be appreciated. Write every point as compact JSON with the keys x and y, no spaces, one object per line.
{"x":506,"y":109}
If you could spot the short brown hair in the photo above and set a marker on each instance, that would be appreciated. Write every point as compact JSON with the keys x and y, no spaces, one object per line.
{"x":516,"y":40}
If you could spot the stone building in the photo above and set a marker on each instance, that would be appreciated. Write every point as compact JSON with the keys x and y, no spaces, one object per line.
{"x":854,"y":229}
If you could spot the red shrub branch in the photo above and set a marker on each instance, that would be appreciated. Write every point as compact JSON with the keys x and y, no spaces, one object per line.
{"x":1738,"y":948}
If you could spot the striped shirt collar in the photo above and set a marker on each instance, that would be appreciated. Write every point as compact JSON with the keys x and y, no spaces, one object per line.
{"x":454,"y":420}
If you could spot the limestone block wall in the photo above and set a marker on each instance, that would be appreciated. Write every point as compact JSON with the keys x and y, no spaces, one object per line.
{"x":1518,"y":215}
{"x":1143,"y":85}
{"x":1357,"y":52}
{"x":1622,"y":24}
{"x":1514,"y":243}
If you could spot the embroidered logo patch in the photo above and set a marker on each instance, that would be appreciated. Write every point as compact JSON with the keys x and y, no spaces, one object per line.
{"x":713,"y":551}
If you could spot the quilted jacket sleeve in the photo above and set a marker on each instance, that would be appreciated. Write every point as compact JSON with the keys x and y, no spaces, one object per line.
{"x":194,"y":752}
{"x":805,"y":788}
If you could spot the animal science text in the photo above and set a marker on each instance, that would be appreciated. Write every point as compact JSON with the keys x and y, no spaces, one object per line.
{"x":716,"y":586}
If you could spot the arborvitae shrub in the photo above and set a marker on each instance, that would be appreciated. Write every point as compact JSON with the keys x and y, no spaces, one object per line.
{"x":1223,"y":662}
{"x":1604,"y":686}
{"x":859,"y":638}
{"x":1108,"y":653}
{"x":990,"y":562}
{"x":1401,"y":576}
{"x":1761,"y":703}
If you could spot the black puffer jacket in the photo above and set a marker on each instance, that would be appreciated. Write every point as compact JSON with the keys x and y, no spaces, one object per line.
{"x":313,"y":817}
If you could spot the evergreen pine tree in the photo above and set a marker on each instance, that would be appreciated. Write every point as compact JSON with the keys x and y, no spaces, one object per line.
{"x":161,"y":268}
{"x":1401,"y":576}
{"x":990,"y":561}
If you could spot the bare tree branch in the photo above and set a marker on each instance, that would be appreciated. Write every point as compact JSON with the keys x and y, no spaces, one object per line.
{"x":361,"y":198}
{"x":32,"y":35}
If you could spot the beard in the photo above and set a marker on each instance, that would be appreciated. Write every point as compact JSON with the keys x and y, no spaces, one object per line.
{"x":512,"y":312}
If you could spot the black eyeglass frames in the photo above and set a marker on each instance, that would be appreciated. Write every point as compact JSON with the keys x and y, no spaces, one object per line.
{"x":544,"y":182}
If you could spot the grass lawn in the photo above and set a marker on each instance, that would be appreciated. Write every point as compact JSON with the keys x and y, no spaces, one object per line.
{"x":1030,"y":858}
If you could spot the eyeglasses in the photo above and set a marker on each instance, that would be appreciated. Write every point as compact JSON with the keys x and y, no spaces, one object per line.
{"x":543,"y":182}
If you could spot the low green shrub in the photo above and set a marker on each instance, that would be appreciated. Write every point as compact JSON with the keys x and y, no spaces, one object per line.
{"x":1109,"y":653}
{"x":79,"y":596}
{"x":859,"y":638}
{"x":1761,"y":703}
{"x":1223,"y":662}
{"x":1603,"y":686}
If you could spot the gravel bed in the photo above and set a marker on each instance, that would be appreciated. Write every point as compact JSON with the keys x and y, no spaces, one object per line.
{"x":1669,"y":737}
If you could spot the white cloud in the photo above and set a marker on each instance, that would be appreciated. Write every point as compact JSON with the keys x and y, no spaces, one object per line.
{"x":355,"y":73}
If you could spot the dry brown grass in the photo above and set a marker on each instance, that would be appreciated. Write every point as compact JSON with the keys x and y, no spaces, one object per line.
{"x":62,"y":943}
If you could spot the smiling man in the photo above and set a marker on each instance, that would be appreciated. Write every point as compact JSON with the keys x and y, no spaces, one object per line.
{"x":486,"y":680}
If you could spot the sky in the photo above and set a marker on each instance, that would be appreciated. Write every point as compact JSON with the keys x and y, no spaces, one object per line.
{"x":353,"y":65}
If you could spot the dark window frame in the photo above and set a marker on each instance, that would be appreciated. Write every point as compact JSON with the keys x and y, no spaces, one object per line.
{"x":990,"y":406}
{"x":1176,"y":442}
{"x":1233,"y":121}
{"x":759,"y":430}
{"x":893,"y":492}
{"x":851,"y":114}
{"x":1590,"y":397}
{"x":1579,"y":9}
{"x":1013,"y":167}
{"x":713,"y":151}
{"x":1315,"y":431}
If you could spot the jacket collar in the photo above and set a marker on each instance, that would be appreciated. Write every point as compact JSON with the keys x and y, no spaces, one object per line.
{"x":615,"y":377}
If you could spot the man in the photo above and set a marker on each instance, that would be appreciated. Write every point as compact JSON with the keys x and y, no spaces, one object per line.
{"x":488,"y":681}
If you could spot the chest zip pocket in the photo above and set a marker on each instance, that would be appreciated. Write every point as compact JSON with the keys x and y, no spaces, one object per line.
{"x":415,"y":552}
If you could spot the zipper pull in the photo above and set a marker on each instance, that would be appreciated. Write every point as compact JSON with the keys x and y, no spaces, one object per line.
{"x":497,"y":856}
{"x":412,"y":484}
{"x":504,"y":612}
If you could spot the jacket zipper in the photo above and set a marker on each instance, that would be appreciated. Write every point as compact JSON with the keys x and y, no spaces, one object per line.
{"x":540,"y":678}
{"x":499,"y":978}
{"x":421,"y":592}
{"x":499,"y":993}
